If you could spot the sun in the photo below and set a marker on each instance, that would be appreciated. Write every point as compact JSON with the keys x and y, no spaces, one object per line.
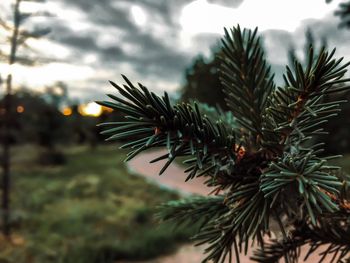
{"x":90,"y":109}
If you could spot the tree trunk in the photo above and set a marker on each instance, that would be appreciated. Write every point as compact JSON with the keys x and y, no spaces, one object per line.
{"x":6,"y":164}
{"x":6,"y":160}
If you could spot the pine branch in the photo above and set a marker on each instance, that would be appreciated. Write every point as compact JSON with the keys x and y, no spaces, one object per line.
{"x":152,"y":121}
{"x":246,"y":80}
{"x":202,"y":209}
{"x":216,"y":113}
{"x":245,"y":221}
{"x":299,"y":110}
{"x":275,"y":250}
{"x":303,"y":176}
{"x":331,"y":239}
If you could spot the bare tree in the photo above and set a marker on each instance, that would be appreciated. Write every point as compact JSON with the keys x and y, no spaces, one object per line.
{"x":17,"y":38}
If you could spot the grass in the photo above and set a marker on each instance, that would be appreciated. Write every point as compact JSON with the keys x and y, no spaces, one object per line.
{"x":89,"y":210}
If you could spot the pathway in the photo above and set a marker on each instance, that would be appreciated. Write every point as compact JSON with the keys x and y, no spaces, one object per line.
{"x":174,"y":178}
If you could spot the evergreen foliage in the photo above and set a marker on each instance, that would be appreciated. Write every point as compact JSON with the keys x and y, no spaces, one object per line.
{"x":202,"y":81}
{"x":344,"y":13}
{"x":265,"y":168}
{"x":339,"y":142}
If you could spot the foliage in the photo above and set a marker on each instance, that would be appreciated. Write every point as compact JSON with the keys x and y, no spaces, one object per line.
{"x":343,"y":12}
{"x":339,"y":142}
{"x":85,"y":212}
{"x":39,"y":115}
{"x":202,"y":81}
{"x":264,"y":173}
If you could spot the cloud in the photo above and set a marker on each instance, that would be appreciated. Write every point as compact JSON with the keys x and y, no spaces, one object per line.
{"x":277,"y":43}
{"x":151,"y":50}
{"x":228,"y":3}
{"x":328,"y":28}
{"x":204,"y":42}
{"x":104,"y":35}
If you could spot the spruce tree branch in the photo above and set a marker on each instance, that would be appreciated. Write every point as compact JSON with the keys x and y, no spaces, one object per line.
{"x":299,"y":110}
{"x":203,"y":210}
{"x":245,"y":220}
{"x":330,"y":239}
{"x":151,"y":121}
{"x":246,"y":79}
{"x":275,"y":250}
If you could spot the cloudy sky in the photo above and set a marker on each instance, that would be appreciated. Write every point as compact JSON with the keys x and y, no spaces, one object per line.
{"x":153,"y":41}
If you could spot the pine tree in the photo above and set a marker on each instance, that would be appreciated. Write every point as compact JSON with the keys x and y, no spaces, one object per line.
{"x":343,"y":12}
{"x":265,"y":167}
{"x":202,"y":81}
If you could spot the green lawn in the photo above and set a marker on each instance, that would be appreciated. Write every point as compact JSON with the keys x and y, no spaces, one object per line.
{"x":89,"y":210}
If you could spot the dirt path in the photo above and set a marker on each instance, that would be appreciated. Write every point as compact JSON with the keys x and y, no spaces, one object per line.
{"x":174,"y":178}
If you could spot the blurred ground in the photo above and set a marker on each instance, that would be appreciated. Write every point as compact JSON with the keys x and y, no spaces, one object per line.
{"x":89,"y":210}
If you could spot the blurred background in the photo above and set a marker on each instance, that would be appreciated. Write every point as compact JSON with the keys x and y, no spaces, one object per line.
{"x":66,"y":195}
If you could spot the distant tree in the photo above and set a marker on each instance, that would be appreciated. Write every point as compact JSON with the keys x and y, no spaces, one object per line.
{"x":343,"y":12}
{"x":52,"y":127}
{"x":30,"y":108}
{"x":57,"y":94}
{"x":202,"y":81}
{"x":17,"y":38}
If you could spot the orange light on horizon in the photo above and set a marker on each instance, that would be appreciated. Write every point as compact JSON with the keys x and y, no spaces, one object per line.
{"x":91,"y":109}
{"x":106,"y":109}
{"x":67,"y":111}
{"x":20,"y":109}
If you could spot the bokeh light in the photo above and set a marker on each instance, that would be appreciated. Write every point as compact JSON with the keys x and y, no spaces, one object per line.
{"x":20,"y":109}
{"x":90,"y":109}
{"x":67,"y":111}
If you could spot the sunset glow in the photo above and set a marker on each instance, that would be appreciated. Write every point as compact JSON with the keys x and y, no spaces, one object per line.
{"x":91,"y":109}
